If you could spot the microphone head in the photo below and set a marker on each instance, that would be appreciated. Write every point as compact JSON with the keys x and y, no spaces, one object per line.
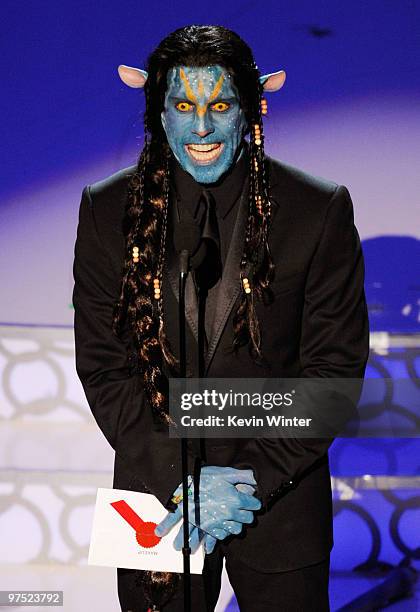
{"x":187,"y":237}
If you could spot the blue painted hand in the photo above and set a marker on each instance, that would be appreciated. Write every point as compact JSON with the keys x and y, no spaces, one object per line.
{"x":226,"y":502}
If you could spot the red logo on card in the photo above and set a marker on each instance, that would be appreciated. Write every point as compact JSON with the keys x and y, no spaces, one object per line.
{"x":145,"y":535}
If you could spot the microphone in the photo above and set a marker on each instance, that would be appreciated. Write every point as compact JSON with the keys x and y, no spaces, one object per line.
{"x":188,"y":243}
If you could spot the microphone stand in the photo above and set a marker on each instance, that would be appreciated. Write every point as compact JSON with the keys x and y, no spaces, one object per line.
{"x":186,"y":550}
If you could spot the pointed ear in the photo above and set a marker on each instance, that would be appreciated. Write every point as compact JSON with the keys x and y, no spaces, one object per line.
{"x":273,"y":81}
{"x":133,"y":77}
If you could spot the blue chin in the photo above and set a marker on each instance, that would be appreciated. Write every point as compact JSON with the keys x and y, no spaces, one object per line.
{"x":205,"y":173}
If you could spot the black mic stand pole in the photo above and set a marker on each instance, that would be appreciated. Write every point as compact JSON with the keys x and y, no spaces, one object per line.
{"x":186,"y":550}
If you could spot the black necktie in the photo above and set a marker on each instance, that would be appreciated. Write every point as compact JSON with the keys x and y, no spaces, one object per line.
{"x":209,"y":272}
{"x":209,"y":225}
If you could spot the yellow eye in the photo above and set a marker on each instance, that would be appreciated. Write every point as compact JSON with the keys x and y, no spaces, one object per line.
{"x":220,"y":106}
{"x":184,"y":107}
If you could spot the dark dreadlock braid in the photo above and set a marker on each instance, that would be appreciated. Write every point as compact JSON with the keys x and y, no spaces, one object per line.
{"x":256,"y":256}
{"x":148,"y":215}
{"x":148,"y":196}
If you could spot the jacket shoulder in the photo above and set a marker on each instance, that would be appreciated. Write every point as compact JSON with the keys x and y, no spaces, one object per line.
{"x":304,"y":199}
{"x":114,"y":184}
{"x":297,"y":183}
{"x":108,"y":199}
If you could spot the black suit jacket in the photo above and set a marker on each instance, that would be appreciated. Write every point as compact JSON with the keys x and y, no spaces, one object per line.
{"x":316,"y":327}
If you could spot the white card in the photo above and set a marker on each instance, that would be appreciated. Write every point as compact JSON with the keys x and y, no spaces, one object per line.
{"x":121,"y":536}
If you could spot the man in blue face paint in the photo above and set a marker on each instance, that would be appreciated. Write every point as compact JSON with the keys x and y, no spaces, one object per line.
{"x":197,"y":166}
{"x":203,"y":120}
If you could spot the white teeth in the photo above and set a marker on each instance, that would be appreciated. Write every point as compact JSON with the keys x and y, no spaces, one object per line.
{"x":204,"y":153}
{"x":204,"y":147}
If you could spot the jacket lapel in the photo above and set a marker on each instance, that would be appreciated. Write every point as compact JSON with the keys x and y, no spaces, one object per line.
{"x":172,"y":268}
{"x":229,"y":287}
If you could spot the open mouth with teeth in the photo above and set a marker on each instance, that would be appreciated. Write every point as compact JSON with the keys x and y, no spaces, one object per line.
{"x":204,"y":153}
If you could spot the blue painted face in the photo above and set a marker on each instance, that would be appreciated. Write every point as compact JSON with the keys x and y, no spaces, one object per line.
{"x":203,"y":120}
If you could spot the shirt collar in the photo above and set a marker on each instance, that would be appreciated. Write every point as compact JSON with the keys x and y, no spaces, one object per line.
{"x":225,"y":191}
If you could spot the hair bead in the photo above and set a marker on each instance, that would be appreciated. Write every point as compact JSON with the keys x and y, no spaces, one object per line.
{"x":257,"y":134}
{"x":264,"y":107}
{"x":258,"y":200}
{"x":246,"y":285}
{"x":156,"y":288}
{"x":136,"y":256}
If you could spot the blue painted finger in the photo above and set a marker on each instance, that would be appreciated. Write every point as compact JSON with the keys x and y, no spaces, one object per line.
{"x":209,"y":543}
{"x":245,"y":488}
{"x":218,"y":532}
{"x":195,"y":539}
{"x":249,"y":502}
{"x":168,"y":522}
{"x":243,"y":516}
{"x":179,"y":539}
{"x":234,"y":476}
{"x":232,"y":527}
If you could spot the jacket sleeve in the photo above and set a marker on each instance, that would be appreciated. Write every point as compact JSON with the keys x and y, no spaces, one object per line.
{"x":114,"y":392}
{"x":334,"y":343}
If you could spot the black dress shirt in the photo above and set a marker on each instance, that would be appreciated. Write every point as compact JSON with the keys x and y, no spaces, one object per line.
{"x":184,"y":203}
{"x":226,"y":193}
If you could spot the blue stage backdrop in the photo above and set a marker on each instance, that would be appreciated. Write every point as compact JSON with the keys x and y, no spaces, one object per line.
{"x":349,"y":111}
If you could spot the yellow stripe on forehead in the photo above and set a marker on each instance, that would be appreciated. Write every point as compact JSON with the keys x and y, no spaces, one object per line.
{"x":188,"y":88}
{"x":217,"y":87}
{"x":201,"y":108}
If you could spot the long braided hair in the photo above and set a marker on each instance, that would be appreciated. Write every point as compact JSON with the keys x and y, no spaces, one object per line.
{"x":140,"y":297}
